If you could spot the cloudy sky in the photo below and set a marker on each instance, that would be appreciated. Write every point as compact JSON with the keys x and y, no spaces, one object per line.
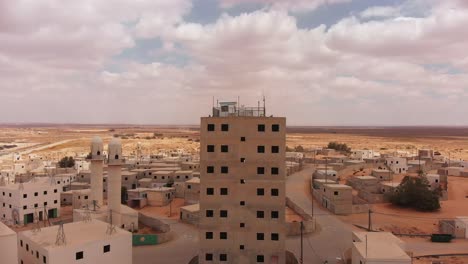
{"x":318,"y":62}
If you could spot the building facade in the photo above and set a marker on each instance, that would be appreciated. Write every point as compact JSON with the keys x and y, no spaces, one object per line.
{"x":242,"y":186}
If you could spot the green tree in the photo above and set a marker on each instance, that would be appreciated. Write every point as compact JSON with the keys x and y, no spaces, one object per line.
{"x":413,"y":192}
{"x":66,"y":162}
{"x":169,"y":183}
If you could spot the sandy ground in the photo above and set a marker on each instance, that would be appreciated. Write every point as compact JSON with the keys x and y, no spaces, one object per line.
{"x":407,"y":221}
{"x":443,"y":260}
{"x":171,"y":211}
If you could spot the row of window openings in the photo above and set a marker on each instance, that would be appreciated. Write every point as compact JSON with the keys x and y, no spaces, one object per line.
{"x":224,"y":236}
{"x":260,"y":127}
{"x":225,"y":169}
{"x":26,"y":207}
{"x":26,"y":195}
{"x":225,"y":149}
{"x":169,"y":177}
{"x":78,"y":255}
{"x":224,"y":214}
{"x":223,"y":257}
{"x":260,"y":192}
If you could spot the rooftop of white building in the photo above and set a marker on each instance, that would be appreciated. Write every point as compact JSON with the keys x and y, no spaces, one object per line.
{"x":192,"y":208}
{"x":33,"y":184}
{"x":76,"y":233}
{"x":5,"y":230}
{"x":194,"y":180}
{"x":380,"y":246}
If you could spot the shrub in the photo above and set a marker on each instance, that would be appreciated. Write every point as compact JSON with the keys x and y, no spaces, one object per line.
{"x":66,"y":162}
{"x":413,"y":193}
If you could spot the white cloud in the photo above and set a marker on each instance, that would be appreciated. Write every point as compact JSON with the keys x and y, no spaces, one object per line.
{"x":289,"y":5}
{"x":380,"y":11}
{"x":358,"y":71}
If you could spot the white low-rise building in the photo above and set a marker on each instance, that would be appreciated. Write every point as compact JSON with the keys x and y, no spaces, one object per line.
{"x":8,"y":248}
{"x":397,"y":164}
{"x":19,"y":202}
{"x":378,"y":248}
{"x":84,"y":243}
{"x":361,"y":154}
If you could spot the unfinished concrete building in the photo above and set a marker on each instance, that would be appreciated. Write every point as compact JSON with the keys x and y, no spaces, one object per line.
{"x":242,"y":199}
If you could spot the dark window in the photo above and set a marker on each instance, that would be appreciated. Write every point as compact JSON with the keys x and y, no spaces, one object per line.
{"x":44,"y":259}
{"x":45,"y":192}
{"x":335,"y":193}
{"x":27,"y":247}
{"x":209,"y":213}
{"x":224,"y":127}
{"x":45,"y":203}
{"x":242,"y":139}
{"x":260,"y":149}
{"x":274,"y":171}
{"x":274,"y":214}
{"x":106,"y":248}
{"x":223,"y":213}
{"x":79,"y":255}
{"x":25,"y":195}
{"x":274,"y":192}
{"x":274,"y":149}
{"x":55,"y":190}
{"x":222,"y":235}
{"x":211,"y":127}
{"x":242,"y":160}
{"x":275,"y":128}
{"x":260,"y":214}
{"x":224,"y":148}
{"x":260,"y":170}
{"x":36,"y":194}
{"x":260,"y":191}
{"x":21,"y":243}
{"x":260,"y":236}
{"x":224,"y":169}
{"x":260,"y":258}
{"x":210,"y":148}
{"x":242,"y":203}
{"x":209,"y":191}
{"x":261,"y":128}
{"x":36,"y":205}
{"x":208,"y":256}
{"x":37,"y":254}
{"x":224,"y":191}
{"x":24,"y":207}
{"x":209,"y":169}
{"x":209,"y":235}
{"x":242,"y":181}
{"x":275,"y":236}
{"x":241,"y":247}
{"x":222,"y":257}
{"x":242,"y":225}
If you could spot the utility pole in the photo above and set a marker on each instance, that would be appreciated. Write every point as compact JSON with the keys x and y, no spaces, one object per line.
{"x":369,"y":228}
{"x":302,"y":244}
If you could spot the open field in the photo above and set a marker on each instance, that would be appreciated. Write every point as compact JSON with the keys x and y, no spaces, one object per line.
{"x":154,"y":138}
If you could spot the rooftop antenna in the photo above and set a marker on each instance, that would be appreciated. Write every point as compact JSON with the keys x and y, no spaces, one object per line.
{"x":87,"y":214}
{"x":37,"y":226}
{"x":46,"y":217}
{"x":111,"y":227}
{"x":60,"y":240}
{"x":264,"y":106}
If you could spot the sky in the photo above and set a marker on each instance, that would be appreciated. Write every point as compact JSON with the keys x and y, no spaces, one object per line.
{"x":317,"y":62}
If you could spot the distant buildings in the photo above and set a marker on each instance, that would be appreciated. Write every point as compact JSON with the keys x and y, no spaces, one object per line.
{"x":242,"y":199}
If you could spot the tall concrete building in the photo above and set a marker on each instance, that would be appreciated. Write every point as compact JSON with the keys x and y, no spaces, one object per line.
{"x":242,"y":187}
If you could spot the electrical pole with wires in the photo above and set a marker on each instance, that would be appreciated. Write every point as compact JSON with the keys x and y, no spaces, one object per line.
{"x":302,"y":243}
{"x":369,"y":228}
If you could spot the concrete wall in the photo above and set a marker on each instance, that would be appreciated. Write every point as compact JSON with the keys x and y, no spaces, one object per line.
{"x":154,"y":223}
{"x":8,"y":247}
{"x":294,"y":228}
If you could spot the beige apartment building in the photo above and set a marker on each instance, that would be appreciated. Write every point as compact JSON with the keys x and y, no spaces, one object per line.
{"x":242,"y":187}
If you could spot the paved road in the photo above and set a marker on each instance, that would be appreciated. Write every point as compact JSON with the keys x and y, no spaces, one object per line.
{"x":334,"y":236}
